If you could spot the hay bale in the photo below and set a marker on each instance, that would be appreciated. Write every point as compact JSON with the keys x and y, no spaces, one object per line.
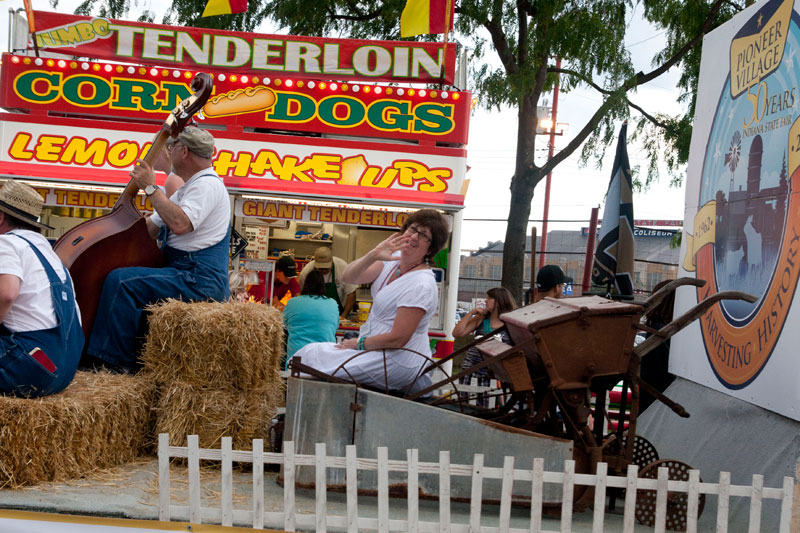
{"x":100,"y":420}
{"x":212,"y":413}
{"x":214,"y":345}
{"x":217,"y":367}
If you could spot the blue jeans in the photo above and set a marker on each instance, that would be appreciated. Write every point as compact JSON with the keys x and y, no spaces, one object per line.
{"x":190,"y":276}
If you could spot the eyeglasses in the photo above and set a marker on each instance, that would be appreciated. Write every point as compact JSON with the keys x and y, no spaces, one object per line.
{"x":170,"y":146}
{"x":422,"y":236}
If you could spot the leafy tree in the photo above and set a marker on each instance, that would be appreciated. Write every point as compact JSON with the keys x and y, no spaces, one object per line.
{"x":527,"y":36}
{"x":513,"y":45}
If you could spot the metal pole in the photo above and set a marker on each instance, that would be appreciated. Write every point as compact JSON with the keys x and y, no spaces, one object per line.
{"x":10,"y":27}
{"x":451,"y":302}
{"x":588,"y":261}
{"x":553,"y":118}
{"x":532,"y":290}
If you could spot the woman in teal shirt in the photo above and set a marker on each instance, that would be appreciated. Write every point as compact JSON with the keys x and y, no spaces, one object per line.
{"x":310,"y":317}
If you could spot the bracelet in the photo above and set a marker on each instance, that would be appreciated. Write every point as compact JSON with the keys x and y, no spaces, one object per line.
{"x":361,"y":341}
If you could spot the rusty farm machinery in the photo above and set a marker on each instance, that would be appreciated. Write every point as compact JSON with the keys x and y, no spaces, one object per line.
{"x":555,"y":376}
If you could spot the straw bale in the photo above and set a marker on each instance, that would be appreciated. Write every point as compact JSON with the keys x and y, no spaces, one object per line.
{"x":212,"y":413}
{"x":214,"y":345}
{"x":100,"y":420}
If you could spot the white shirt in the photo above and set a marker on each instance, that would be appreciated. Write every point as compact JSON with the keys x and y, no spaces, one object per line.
{"x":33,"y":308}
{"x":396,"y":369}
{"x":342,"y":288}
{"x":205,"y":201}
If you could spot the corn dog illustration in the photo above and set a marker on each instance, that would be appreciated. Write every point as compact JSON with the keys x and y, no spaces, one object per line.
{"x":240,"y":101}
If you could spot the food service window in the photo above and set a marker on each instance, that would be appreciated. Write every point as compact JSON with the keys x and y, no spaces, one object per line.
{"x":275,"y":227}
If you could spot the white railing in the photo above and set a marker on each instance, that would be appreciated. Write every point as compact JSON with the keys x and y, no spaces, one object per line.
{"x":289,"y":519}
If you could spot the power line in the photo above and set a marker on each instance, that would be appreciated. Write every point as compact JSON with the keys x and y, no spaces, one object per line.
{"x":529,"y":220}
{"x":645,"y":40}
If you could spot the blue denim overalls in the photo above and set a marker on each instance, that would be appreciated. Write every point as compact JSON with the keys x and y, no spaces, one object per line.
{"x":38,"y":363}
{"x":189,"y":276}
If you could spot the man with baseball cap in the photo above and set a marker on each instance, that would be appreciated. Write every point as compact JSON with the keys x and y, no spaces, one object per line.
{"x":550,"y":282}
{"x":41,"y":339}
{"x":285,"y":281}
{"x":331,"y":269}
{"x":193,"y":226}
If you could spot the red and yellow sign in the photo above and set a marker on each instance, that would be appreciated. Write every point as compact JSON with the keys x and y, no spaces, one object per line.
{"x":84,"y":151}
{"x":113,"y":90}
{"x":87,"y":198}
{"x":245,"y":53}
{"x":272,"y":209}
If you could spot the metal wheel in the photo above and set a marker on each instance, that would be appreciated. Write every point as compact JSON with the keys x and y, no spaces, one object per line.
{"x":644,"y":452}
{"x":677,"y":502}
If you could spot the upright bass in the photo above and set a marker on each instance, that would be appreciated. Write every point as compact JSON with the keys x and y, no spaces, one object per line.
{"x":120,"y":239}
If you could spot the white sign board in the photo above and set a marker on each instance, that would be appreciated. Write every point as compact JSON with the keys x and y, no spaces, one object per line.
{"x":742,"y":219}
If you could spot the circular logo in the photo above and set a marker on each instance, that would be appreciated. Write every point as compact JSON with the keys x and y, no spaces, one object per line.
{"x":747,"y":229}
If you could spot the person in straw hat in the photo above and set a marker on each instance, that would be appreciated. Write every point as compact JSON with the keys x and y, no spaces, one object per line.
{"x":332,"y":268}
{"x":194,"y":226}
{"x":41,"y":339}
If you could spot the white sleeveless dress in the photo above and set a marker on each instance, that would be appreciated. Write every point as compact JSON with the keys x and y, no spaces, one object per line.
{"x":414,"y":289}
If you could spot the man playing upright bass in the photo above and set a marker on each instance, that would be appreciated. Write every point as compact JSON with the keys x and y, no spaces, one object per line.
{"x":194,"y":227}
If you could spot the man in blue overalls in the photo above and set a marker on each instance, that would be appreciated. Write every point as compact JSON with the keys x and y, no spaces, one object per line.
{"x":40,"y":331}
{"x":194,"y":227}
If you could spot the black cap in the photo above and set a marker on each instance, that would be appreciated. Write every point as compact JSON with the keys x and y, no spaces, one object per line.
{"x":549,"y":276}
{"x":286,"y":265}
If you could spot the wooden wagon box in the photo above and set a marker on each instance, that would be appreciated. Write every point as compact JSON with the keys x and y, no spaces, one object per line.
{"x":575,"y":340}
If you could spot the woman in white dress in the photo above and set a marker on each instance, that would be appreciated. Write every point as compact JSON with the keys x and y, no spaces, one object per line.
{"x":404,"y":298}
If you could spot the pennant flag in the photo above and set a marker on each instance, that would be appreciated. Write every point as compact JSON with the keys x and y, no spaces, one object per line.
{"x":613,"y":261}
{"x":224,"y":7}
{"x":29,"y":12}
{"x":426,"y":16}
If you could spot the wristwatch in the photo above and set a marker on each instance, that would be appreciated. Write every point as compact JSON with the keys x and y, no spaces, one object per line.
{"x":150,"y":190}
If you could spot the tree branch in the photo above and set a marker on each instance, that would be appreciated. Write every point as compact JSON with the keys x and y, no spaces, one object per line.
{"x":642,"y":78}
{"x":582,"y":77}
{"x":649,"y":117}
{"x":599,"y":89}
{"x":576,"y":141}
{"x":522,"y":40}
{"x":495,"y":27}
{"x":360,"y":18}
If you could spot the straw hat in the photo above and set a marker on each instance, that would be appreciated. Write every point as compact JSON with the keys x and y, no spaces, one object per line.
{"x":22,"y":202}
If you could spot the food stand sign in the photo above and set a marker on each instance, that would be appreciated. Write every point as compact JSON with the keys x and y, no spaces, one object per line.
{"x":244,"y":53}
{"x":270,"y":210}
{"x":64,"y":149}
{"x":743,"y":211}
{"x":137,"y":92}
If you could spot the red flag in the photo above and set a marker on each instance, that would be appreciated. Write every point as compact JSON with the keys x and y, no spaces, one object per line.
{"x":427,"y":16}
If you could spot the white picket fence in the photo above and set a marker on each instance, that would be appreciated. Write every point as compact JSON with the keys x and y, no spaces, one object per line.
{"x":321,"y":520}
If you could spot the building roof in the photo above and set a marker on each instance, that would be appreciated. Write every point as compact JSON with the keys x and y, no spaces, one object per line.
{"x":652,"y":246}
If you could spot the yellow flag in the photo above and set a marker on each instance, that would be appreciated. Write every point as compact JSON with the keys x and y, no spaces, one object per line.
{"x":426,"y":16}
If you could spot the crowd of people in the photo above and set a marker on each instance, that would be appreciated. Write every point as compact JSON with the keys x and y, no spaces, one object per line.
{"x":41,"y":341}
